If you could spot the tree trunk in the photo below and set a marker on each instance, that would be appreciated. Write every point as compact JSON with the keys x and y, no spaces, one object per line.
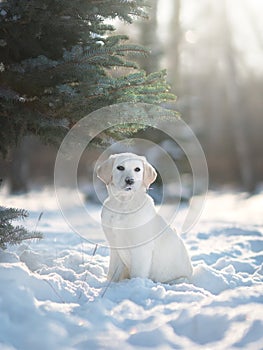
{"x":149,"y":39}
{"x":174,"y":43}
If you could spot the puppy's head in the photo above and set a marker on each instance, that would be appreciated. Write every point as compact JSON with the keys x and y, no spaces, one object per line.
{"x":126,"y":172}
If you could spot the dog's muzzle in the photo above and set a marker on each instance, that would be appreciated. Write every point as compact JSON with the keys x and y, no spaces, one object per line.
{"x":129,"y":181}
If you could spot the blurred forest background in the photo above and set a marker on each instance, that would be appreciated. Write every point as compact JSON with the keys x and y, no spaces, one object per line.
{"x":213,"y":53}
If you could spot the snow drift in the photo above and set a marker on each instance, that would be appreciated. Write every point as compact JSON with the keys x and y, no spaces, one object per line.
{"x":54,"y":293}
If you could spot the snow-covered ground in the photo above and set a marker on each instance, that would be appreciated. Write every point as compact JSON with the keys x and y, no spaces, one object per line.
{"x":54,"y":293}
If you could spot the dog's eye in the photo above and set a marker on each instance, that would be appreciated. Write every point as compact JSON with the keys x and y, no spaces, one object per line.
{"x":137,"y":169}
{"x":120,"y":167}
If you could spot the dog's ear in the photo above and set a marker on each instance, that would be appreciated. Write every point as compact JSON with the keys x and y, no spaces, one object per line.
{"x":149,"y":174}
{"x":104,"y":171}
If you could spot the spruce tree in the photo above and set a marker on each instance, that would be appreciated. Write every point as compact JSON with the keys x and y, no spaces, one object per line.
{"x":58,"y":61}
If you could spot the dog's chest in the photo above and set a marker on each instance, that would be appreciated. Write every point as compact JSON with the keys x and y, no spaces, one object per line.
{"x":123,"y":216}
{"x":118,"y":220}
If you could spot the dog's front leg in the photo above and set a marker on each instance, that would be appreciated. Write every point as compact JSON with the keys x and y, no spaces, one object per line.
{"x":117,"y":268}
{"x":141,"y":261}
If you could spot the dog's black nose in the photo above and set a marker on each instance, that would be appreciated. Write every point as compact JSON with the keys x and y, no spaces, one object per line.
{"x":129,"y":181}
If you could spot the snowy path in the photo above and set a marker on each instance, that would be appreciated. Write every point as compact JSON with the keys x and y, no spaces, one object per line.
{"x":54,"y":293}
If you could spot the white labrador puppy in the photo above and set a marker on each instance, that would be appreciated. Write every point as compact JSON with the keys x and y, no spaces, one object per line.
{"x":141,"y":242}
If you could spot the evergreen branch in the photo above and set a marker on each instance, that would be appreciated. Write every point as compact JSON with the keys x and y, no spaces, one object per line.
{"x":11,"y":235}
{"x":134,"y":8}
{"x":7,"y":214}
{"x":93,"y":56}
{"x":56,"y":64}
{"x":138,"y":85}
{"x":8,"y":94}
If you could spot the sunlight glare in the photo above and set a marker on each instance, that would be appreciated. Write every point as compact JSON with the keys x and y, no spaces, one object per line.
{"x":191,"y":37}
